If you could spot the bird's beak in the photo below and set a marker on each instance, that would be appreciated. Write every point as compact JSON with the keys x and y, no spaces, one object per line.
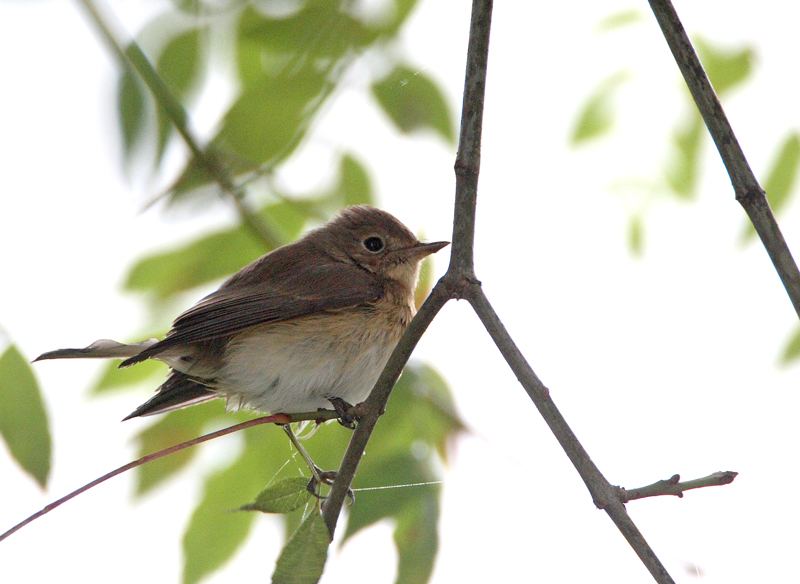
{"x":422,"y":250}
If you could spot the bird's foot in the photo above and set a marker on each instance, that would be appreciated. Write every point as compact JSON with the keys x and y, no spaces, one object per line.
{"x":346,"y":413}
{"x":325,"y":477}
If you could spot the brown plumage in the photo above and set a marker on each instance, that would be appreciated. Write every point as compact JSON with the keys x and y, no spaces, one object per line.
{"x":310,"y":321}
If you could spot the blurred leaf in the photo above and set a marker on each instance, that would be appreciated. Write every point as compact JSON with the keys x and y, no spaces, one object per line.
{"x":114,"y":378}
{"x":179,"y":63}
{"x":725,"y":68}
{"x":421,"y":395}
{"x":268,"y":119}
{"x":636,"y":235}
{"x":781,"y":178}
{"x":402,"y":468}
{"x":792,"y":350}
{"x":682,"y":167}
{"x":783,"y":174}
{"x":402,"y":10}
{"x":620,"y":19}
{"x":413,"y":101}
{"x":23,"y":420}
{"x":425,"y":283}
{"x":170,"y":429}
{"x":417,"y":539}
{"x":319,"y":32}
{"x":214,"y":534}
{"x":419,"y":421}
{"x":598,"y":114}
{"x":288,"y":67}
{"x":215,"y":256}
{"x":179,"y":66}
{"x":262,"y":127}
{"x":354,"y":185}
{"x":208,"y":259}
{"x":283,"y":496}
{"x":302,"y":561}
{"x":130,"y":109}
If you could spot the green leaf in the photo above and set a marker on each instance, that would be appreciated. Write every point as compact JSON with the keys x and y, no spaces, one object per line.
{"x":791,"y":352}
{"x":725,"y":68}
{"x":131,"y":109}
{"x":215,"y":256}
{"x":425,"y":283}
{"x":319,"y":33}
{"x":620,"y":19}
{"x":214,"y":534}
{"x":390,"y":470}
{"x":354,"y":186}
{"x":302,"y":561}
{"x":179,"y":62}
{"x":179,"y":66}
{"x":114,"y":378}
{"x":413,"y":101}
{"x":682,"y":168}
{"x":417,"y":539}
{"x":783,"y":174}
{"x":421,"y":410}
{"x":781,"y":179}
{"x":598,"y":113}
{"x":267,"y":121}
{"x":263,"y":126}
{"x":420,"y":420}
{"x":172,"y":428}
{"x":283,"y":496}
{"x":205,"y":260}
{"x":23,"y":420}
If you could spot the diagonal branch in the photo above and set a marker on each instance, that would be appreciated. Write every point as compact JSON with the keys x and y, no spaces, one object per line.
{"x":748,"y":192}
{"x":458,"y":273}
{"x":603,"y":493}
{"x":280,"y":419}
{"x":135,"y":58}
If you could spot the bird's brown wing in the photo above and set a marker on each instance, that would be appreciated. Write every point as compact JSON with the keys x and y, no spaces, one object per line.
{"x":234,"y":308}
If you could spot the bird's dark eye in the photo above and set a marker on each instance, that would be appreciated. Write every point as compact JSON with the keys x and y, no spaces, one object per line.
{"x":373,"y":244}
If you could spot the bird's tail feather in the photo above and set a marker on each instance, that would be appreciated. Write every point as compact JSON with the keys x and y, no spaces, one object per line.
{"x":102,"y":349}
{"x":177,"y":392}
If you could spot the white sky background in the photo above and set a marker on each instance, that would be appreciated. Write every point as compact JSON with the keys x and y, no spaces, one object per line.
{"x":662,"y":365}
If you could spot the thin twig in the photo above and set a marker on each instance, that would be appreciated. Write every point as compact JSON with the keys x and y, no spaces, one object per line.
{"x":133,"y":57}
{"x":460,"y":270}
{"x":673,"y":486}
{"x":748,"y":192}
{"x":276,"y":419}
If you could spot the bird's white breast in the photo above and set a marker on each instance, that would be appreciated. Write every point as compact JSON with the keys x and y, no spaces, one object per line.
{"x":297,"y":366}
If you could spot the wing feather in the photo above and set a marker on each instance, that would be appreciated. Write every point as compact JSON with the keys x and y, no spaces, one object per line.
{"x":242,"y":303}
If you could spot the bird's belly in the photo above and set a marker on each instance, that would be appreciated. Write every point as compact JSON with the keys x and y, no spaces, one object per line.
{"x":297,"y":366}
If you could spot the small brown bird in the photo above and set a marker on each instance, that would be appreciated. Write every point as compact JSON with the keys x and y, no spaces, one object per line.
{"x":299,"y":329}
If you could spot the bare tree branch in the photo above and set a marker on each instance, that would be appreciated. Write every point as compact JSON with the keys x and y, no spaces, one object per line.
{"x":673,"y":486}
{"x":748,"y":192}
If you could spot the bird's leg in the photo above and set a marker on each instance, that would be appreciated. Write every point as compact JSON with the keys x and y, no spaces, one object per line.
{"x":318,"y":476}
{"x":345,"y":411}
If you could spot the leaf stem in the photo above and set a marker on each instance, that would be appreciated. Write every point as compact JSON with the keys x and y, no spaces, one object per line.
{"x":133,"y":57}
